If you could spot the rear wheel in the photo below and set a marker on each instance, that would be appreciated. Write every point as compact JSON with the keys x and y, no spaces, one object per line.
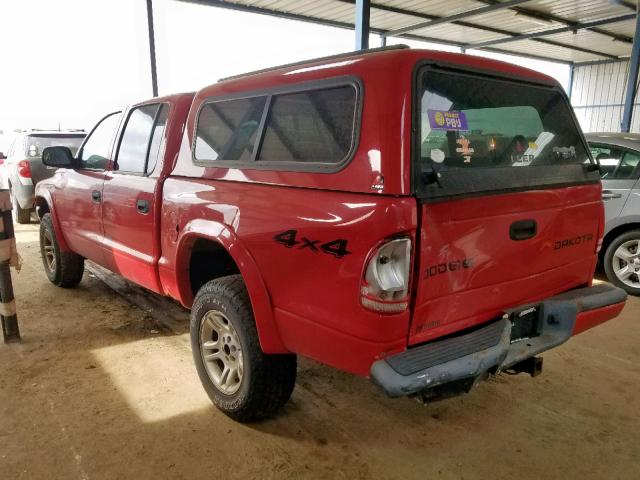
{"x":20,"y":215}
{"x":242,"y":381}
{"x":622,"y":262}
{"x":63,"y":269}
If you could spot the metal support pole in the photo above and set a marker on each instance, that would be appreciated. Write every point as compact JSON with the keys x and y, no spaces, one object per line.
{"x":8,"y":317}
{"x":152,"y":48}
{"x":572,"y":68}
{"x":632,"y":81}
{"x":383,"y":40}
{"x":363,"y":14}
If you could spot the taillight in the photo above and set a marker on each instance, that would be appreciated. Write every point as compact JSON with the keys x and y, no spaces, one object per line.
{"x":24,"y":168}
{"x":385,"y":287}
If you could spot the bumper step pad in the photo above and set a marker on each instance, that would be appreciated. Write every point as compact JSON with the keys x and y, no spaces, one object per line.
{"x":488,"y":349}
{"x":444,"y":351}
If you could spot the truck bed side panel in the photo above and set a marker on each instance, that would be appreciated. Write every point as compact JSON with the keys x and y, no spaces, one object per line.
{"x":310,"y":248}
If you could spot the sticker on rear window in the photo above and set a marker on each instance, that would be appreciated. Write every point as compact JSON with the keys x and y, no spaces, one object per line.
{"x":447,"y":120}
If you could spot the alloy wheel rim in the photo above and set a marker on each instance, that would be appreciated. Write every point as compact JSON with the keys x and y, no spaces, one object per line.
{"x":48,"y":252}
{"x":626,"y":263}
{"x":221,"y":352}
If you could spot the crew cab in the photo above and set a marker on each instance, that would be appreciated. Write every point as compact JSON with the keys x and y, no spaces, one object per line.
{"x":421,"y":218}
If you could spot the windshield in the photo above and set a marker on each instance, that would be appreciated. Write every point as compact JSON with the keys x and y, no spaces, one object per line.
{"x":34,"y":144}
{"x":470,"y":123}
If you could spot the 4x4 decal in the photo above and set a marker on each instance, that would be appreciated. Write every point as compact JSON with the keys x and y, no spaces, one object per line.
{"x":337,"y":248}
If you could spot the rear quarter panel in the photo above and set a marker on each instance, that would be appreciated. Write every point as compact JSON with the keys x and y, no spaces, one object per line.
{"x":314,"y":295}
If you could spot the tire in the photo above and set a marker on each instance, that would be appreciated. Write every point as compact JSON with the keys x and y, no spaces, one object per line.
{"x":20,"y":215}
{"x":624,"y":273}
{"x":63,"y":269}
{"x":260,"y":384}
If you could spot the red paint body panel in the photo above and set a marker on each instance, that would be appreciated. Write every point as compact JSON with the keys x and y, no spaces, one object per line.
{"x":131,"y":243}
{"x":503,"y":273}
{"x":593,"y":318}
{"x":315,"y":286}
{"x":308,"y":301}
{"x":132,"y":239}
{"x":80,"y":218}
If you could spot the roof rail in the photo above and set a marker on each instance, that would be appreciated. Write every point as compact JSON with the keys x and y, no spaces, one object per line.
{"x":330,"y":57}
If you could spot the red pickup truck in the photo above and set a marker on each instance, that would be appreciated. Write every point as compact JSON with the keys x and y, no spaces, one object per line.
{"x":422,"y":218}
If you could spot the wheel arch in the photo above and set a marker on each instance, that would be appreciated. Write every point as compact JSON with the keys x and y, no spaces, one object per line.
{"x":44,"y":204}
{"x":615,"y":232}
{"x":221,"y":246}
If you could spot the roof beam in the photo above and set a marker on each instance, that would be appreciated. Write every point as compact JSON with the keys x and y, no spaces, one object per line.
{"x":458,"y":16}
{"x":333,"y":23}
{"x":624,"y":3}
{"x":485,"y":28}
{"x":600,"y":62}
{"x":572,"y":28}
{"x":554,"y":18}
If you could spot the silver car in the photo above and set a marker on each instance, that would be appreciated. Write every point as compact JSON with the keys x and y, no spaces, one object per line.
{"x":22,"y":167}
{"x":619,"y":158}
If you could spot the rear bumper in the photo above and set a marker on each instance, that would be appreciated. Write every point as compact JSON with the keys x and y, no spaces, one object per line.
{"x":490,"y":349}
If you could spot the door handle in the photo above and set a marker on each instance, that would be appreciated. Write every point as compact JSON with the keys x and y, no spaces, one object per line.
{"x":523,"y":229}
{"x":609,"y":195}
{"x":142,"y":206}
{"x":96,"y":196}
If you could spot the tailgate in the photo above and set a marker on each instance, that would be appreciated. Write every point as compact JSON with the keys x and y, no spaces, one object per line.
{"x":480,"y":256}
{"x":511,"y":208}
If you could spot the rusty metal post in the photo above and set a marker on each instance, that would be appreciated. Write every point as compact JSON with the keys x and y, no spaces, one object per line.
{"x":8,"y":316}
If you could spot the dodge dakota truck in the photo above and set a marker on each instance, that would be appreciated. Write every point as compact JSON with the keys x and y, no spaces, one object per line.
{"x":424,"y":219}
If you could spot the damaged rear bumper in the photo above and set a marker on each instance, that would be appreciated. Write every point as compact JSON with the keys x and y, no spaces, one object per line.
{"x":499,"y":345}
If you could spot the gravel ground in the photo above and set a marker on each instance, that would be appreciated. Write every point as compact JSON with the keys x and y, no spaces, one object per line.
{"x":98,"y":389}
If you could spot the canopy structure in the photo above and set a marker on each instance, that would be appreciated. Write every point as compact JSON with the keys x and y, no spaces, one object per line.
{"x":566,"y":31}
{"x":559,"y":30}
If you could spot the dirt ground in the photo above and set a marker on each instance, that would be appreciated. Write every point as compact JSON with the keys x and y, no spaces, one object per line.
{"x":98,"y":390}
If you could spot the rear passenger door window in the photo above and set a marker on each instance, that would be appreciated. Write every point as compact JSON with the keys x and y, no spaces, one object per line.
{"x":628,"y":167}
{"x":156,"y":148}
{"x":141,"y":140}
{"x":608,"y":157}
{"x":616,"y":163}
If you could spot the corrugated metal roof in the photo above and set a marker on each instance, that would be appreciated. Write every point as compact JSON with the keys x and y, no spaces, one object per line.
{"x":601,"y":42}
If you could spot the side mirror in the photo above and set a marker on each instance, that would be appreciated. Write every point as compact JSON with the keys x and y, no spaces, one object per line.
{"x":2,"y":156}
{"x":58,"y":157}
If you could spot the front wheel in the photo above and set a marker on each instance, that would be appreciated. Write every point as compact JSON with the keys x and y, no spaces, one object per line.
{"x":63,"y":269}
{"x":622,"y":262}
{"x":242,"y":381}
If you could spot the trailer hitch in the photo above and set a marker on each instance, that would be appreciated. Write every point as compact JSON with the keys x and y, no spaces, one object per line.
{"x":532,"y":366}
